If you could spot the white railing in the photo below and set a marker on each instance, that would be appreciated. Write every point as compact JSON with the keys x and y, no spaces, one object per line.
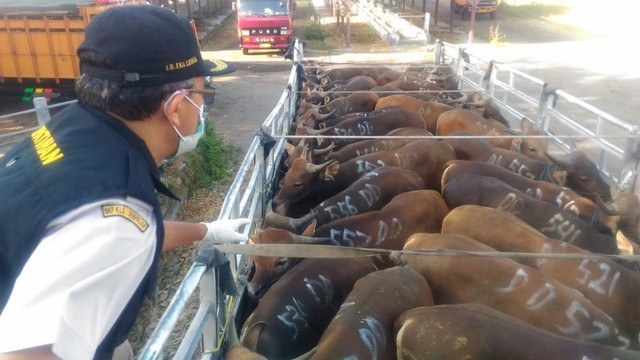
{"x":245,"y":198}
{"x":613,"y":144}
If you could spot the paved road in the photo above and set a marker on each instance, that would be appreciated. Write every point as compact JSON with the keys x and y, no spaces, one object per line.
{"x":587,"y":51}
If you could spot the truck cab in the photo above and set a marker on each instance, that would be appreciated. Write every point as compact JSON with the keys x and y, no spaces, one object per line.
{"x":465,"y":7}
{"x":265,"y":24}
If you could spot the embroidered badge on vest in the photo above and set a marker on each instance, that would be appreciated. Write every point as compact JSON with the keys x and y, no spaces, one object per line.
{"x":127,"y":213}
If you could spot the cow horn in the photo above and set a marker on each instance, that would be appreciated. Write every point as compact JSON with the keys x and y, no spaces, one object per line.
{"x":463,"y":99}
{"x":326,"y":150}
{"x":559,"y":161}
{"x":306,"y":240}
{"x":619,"y":206}
{"x":313,"y":168}
{"x":481,"y":103}
{"x":321,"y":116}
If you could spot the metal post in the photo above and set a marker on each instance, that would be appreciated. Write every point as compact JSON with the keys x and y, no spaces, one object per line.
{"x":42,"y":110}
{"x":472,"y":22}
{"x":425,"y":27}
{"x":348,"y":34}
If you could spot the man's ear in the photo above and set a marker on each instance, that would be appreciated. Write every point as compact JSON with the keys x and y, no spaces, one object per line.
{"x":171,"y":107}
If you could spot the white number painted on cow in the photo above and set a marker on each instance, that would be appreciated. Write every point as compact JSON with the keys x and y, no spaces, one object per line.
{"x":495,"y":159}
{"x":363,"y":167}
{"x":598,"y":285}
{"x":561,"y":229}
{"x":349,"y":237}
{"x":535,"y":193}
{"x":406,"y":160}
{"x":576,"y":310}
{"x":371,"y":194}
{"x":341,"y":209}
{"x":321,"y":289}
{"x":372,"y":336}
{"x":521,"y":169}
{"x":294,"y":317}
{"x":365,"y":128}
{"x":519,"y":278}
{"x":541,"y":297}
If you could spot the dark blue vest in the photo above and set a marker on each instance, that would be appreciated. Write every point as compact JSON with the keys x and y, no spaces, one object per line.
{"x":81,"y":155}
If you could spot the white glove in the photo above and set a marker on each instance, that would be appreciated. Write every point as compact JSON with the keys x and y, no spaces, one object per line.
{"x":225,"y":231}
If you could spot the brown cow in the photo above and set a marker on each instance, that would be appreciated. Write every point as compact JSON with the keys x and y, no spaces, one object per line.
{"x":363,"y":327}
{"x":359,"y":101}
{"x":397,"y":139}
{"x":560,"y":196}
{"x":306,"y":181}
{"x":428,"y":110}
{"x":509,"y":287}
{"x":573,"y":170}
{"x":293,"y":314}
{"x":608,"y":285}
{"x":474,"y":331}
{"x":462,"y":120}
{"x":356,"y":83}
{"x":389,"y":227}
{"x":546,"y":218}
{"x":346,"y":73}
{"x":359,"y":127}
{"x":371,"y":192}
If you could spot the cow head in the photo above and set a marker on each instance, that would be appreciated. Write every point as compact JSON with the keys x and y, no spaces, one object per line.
{"x":294,"y":225}
{"x":268,"y":269}
{"x":300,"y":181}
{"x":627,"y":206}
{"x":532,"y":147}
{"x":583,"y":176}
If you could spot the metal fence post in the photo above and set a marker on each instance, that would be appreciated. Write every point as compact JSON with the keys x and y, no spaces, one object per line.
{"x":42,"y":110}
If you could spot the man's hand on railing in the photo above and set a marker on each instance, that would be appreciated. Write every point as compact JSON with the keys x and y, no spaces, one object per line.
{"x":224,"y":231}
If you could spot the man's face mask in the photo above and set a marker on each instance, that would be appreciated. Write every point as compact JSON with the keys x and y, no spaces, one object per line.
{"x":189,"y":142}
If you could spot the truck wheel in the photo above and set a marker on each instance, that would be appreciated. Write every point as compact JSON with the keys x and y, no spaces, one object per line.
{"x":245,"y":51}
{"x":464,"y":14}
{"x":492,"y":15}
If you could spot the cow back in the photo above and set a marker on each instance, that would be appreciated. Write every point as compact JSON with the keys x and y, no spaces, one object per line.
{"x":510,"y":287}
{"x":369,"y":193}
{"x":428,"y":110}
{"x":290,"y":318}
{"x":363,"y":327}
{"x":546,"y":218}
{"x":474,"y":331}
{"x":605,"y":283}
{"x":389,"y":227}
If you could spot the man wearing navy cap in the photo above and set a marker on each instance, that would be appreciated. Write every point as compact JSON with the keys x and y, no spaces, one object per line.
{"x":81,"y":229}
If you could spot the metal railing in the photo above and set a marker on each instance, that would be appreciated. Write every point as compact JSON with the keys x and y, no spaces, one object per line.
{"x":245,"y":198}
{"x":572,"y":124}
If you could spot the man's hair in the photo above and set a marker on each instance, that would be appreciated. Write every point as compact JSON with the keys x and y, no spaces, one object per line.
{"x":131,"y":103}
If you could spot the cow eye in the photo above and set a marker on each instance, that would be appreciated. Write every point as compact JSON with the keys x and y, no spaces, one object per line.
{"x":281,"y":262}
{"x":297,"y":185}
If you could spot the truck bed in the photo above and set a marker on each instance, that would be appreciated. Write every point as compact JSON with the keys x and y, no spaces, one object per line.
{"x":611,"y":143}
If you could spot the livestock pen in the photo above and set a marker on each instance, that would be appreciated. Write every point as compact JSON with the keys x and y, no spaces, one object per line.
{"x":221,"y":273}
{"x":567,"y":122}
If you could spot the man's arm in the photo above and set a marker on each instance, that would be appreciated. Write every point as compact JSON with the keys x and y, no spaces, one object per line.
{"x":36,"y":353}
{"x":177,"y":233}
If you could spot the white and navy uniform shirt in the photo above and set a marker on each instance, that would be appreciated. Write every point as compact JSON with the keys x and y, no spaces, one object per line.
{"x":82,"y":230}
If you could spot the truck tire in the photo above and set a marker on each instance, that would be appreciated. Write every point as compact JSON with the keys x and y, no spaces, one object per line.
{"x":464,"y":14}
{"x":245,"y":51}
{"x":492,"y":15}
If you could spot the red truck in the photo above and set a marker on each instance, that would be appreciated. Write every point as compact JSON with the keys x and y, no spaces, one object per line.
{"x":265,"y":24}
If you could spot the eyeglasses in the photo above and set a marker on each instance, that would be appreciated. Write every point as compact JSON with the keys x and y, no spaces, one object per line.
{"x":203,"y":90}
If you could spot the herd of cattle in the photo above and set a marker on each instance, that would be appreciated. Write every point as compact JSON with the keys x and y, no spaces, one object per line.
{"x":364,"y":169}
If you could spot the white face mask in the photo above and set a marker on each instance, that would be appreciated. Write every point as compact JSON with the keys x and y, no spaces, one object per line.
{"x":189,"y":142}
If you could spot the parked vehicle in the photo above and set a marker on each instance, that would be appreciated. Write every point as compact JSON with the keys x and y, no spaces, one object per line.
{"x":465,"y":7}
{"x":265,"y":24}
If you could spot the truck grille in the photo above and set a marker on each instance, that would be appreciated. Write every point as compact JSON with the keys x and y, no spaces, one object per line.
{"x":263,"y":32}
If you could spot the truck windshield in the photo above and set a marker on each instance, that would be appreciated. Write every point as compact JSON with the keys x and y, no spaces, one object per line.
{"x":262,"y":7}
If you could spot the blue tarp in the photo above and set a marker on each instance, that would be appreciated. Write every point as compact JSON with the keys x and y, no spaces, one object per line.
{"x":40,"y":6}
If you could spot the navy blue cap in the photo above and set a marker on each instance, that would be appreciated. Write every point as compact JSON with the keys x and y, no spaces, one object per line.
{"x":146,"y":45}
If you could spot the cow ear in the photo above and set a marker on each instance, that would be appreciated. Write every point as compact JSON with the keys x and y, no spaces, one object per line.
{"x":331,"y":170}
{"x":289,"y":148}
{"x":310,"y":229}
{"x":526,"y":125}
{"x":512,"y":204}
